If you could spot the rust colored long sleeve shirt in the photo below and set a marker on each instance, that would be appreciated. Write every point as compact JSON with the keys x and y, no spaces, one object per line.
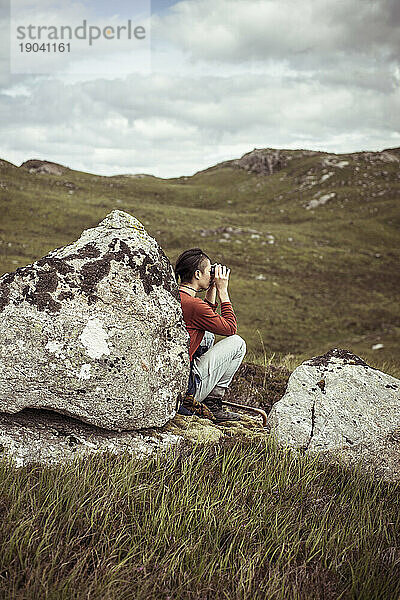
{"x":200,"y":316}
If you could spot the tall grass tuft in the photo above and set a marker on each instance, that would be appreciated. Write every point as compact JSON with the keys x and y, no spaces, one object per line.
{"x":235,"y":520}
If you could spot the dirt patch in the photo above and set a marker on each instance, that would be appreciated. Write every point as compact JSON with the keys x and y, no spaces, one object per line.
{"x":258,"y":386}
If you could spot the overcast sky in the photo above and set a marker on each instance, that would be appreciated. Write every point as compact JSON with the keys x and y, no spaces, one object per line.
{"x":216,"y":79}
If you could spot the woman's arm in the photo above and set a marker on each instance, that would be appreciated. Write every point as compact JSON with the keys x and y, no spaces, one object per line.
{"x":206,"y":319}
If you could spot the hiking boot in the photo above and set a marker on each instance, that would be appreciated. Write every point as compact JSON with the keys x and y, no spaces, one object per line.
{"x":184,"y":411}
{"x":193,"y":407}
{"x":220,"y":414}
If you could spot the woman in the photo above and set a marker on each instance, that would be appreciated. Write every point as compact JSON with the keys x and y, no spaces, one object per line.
{"x":212,"y":365}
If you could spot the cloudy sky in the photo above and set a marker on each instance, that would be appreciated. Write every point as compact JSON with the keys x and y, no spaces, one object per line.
{"x":212,"y":80}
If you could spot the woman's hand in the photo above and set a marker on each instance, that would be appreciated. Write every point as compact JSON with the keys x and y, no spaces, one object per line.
{"x":221,"y":278}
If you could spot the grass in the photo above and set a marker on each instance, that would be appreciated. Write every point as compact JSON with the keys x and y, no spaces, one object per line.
{"x":292,"y":361}
{"x":236,"y":520}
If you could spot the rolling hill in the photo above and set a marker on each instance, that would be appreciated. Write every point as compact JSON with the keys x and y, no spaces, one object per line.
{"x":312,"y":238}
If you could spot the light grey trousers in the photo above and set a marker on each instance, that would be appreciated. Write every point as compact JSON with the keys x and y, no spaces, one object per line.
{"x":214,"y":370}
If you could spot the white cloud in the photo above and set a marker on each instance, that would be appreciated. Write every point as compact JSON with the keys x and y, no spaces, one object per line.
{"x":302,"y":33}
{"x":227,"y":77}
{"x":162,"y":129}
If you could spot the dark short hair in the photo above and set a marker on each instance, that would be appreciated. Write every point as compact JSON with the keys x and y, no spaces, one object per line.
{"x":188,"y":263}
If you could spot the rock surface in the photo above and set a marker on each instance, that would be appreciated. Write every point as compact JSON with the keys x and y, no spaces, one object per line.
{"x":44,"y":166}
{"x":45,"y":437}
{"x":266,"y":161}
{"x":262,"y":162}
{"x":94,"y":330}
{"x":320,"y":200}
{"x":335,"y":402}
{"x":379,"y":456}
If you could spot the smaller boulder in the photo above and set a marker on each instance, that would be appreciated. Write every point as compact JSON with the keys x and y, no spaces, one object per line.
{"x":336,"y":401}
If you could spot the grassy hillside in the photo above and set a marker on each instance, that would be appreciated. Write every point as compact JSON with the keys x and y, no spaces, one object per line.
{"x":329,"y":279}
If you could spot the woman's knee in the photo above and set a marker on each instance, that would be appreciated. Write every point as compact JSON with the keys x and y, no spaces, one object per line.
{"x":239,"y":342}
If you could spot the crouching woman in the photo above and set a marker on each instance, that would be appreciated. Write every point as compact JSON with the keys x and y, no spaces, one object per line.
{"x":212,"y":366}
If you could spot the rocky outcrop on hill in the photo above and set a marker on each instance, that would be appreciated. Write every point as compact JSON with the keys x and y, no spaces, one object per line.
{"x":94,"y":330}
{"x":266,"y":161}
{"x":338,"y":178}
{"x":338,"y":405}
{"x":385,"y":156}
{"x":262,"y":162}
{"x":44,"y":167}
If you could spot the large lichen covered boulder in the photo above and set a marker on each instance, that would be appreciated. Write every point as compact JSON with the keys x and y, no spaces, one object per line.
{"x":94,"y":330}
{"x":336,"y":402}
